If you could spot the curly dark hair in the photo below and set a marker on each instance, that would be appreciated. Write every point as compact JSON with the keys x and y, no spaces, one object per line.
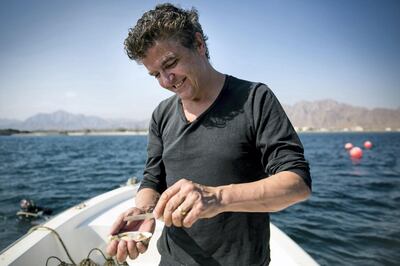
{"x":164,"y":22}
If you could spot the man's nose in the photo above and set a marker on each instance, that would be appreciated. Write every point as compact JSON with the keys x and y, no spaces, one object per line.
{"x":167,"y":80}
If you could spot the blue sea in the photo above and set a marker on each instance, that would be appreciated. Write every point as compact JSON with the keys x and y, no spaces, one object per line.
{"x":352,"y":218}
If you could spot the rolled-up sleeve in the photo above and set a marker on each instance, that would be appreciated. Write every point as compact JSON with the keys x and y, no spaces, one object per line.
{"x":280,"y":146}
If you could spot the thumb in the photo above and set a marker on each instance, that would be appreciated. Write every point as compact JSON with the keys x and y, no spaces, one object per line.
{"x":148,"y":226}
{"x":117,"y":225}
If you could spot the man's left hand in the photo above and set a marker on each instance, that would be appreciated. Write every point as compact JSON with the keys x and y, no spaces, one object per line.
{"x":185,"y":202}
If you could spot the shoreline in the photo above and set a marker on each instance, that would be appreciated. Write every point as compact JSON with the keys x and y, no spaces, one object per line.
{"x":145,"y":132}
{"x":72,"y":133}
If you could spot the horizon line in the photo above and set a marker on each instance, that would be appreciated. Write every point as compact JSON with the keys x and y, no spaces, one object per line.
{"x":120,"y":118}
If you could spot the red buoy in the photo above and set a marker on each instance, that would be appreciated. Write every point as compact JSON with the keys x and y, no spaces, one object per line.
{"x":368,"y":144}
{"x":348,"y":146}
{"x":356,"y":153}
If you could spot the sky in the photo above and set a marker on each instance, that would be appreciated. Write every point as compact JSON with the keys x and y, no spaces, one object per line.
{"x":69,"y":55}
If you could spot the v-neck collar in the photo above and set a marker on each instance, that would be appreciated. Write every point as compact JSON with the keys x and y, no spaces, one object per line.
{"x":182,"y":113}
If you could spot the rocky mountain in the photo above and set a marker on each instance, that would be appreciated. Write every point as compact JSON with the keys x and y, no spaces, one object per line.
{"x":305,"y":115}
{"x":332,"y":115}
{"x":62,"y":120}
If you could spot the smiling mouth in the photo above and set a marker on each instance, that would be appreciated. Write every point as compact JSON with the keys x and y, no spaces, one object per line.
{"x":179,"y":84}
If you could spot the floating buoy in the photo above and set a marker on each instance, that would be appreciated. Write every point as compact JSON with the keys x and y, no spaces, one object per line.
{"x":368,"y":144}
{"x":356,"y":153}
{"x":348,"y":146}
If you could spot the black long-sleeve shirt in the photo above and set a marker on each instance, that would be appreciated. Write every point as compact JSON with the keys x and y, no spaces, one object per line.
{"x":242,"y":137}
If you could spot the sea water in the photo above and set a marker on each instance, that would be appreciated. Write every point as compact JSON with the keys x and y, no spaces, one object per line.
{"x":352,"y":217}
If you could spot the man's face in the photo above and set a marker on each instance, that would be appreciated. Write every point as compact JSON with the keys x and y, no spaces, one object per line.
{"x":24,"y":204}
{"x":176,"y":68}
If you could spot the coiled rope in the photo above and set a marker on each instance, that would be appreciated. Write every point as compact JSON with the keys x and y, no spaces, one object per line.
{"x":58,"y":236}
{"x":85,"y":262}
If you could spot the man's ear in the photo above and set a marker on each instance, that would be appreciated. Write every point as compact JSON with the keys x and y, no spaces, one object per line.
{"x":199,"y":43}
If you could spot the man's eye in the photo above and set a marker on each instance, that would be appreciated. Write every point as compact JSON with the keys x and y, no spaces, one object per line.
{"x":172,"y":64}
{"x":157,"y":75}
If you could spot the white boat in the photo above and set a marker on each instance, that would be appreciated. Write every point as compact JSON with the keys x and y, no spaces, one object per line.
{"x":86,"y":226}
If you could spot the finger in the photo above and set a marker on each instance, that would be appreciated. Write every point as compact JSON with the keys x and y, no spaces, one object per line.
{"x":195,"y":207}
{"x":184,"y":208}
{"x":122,"y":251}
{"x":191,"y":217}
{"x":192,"y":213}
{"x":120,"y":223}
{"x":177,"y":217}
{"x":112,"y":248}
{"x":171,"y":213}
{"x":165,"y":197}
{"x":141,"y":247}
{"x":117,"y":225}
{"x":132,"y":250}
{"x":148,"y":226}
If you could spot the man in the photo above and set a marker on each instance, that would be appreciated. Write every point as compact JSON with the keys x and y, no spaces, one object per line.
{"x":29,"y":207}
{"x":222,"y":153}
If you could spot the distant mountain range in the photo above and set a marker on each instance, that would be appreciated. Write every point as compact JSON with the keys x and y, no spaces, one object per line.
{"x":317,"y":115}
{"x":62,"y":120}
{"x":332,"y":115}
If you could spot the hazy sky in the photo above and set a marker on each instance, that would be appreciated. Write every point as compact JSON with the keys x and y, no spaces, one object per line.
{"x":69,"y":54}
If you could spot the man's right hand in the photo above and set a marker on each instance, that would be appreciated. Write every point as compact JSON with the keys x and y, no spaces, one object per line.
{"x":121,"y":248}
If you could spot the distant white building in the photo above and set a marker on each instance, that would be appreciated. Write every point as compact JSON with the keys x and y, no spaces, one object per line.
{"x":358,"y":128}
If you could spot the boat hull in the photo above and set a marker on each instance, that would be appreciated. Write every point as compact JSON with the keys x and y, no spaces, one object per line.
{"x":86,"y":226}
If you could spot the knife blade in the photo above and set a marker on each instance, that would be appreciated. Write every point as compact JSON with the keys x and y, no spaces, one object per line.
{"x":138,"y":217}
